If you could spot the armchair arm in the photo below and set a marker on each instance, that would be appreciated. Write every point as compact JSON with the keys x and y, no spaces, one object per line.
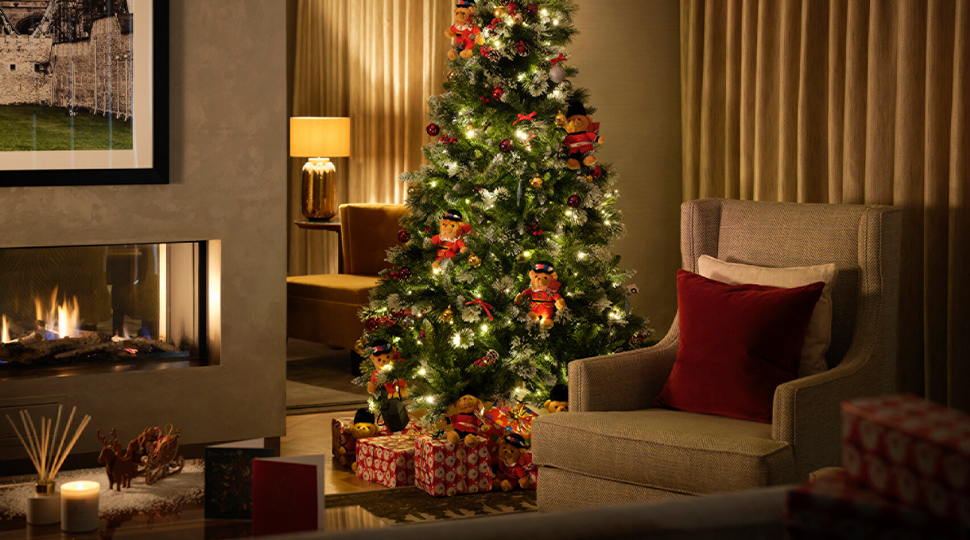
{"x":624,"y":381}
{"x":807,"y":412}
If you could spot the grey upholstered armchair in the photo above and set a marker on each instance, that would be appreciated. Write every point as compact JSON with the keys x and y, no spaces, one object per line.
{"x":613,"y":447}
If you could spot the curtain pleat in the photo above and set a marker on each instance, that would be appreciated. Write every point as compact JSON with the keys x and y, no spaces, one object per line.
{"x":847,"y":101}
{"x":376,"y":61}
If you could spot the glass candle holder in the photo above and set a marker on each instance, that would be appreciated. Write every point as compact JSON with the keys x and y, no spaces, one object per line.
{"x":79,"y":506}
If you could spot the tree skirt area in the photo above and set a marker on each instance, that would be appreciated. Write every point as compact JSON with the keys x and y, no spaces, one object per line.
{"x":411,"y":505}
{"x":184,"y":487}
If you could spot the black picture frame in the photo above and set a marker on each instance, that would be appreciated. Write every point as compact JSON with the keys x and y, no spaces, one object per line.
{"x":158,"y":173}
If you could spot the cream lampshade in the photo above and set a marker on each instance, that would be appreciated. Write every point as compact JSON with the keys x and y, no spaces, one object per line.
{"x":315,"y":137}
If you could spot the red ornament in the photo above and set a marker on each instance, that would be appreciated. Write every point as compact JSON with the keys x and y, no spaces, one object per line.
{"x":597,"y":171}
{"x":497,"y":93}
{"x":492,"y":25}
{"x":405,"y":273}
{"x":432,"y":129}
{"x":520,"y":46}
{"x":574,"y":201}
{"x":512,"y":7}
{"x":485,"y":100}
{"x":532,"y":10}
{"x":485,"y":50}
{"x":403,"y":236}
{"x":506,"y":145}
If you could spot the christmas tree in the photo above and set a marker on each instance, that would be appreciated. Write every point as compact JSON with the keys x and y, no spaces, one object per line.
{"x":504,"y":273}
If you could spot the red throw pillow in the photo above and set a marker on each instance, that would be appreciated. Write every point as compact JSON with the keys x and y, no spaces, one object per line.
{"x":737,"y":343}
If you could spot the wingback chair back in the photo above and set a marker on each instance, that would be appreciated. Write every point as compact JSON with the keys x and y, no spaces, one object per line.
{"x":791,"y":234}
{"x":367,"y":230}
{"x":655,"y":452}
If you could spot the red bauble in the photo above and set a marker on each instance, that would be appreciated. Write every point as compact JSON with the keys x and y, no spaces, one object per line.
{"x":433,"y":129}
{"x":597,"y":171}
{"x":405,"y":273}
{"x":497,"y":93}
{"x":532,"y":10}
{"x":506,"y":145}
{"x":403,"y":236}
{"x":574,"y":201}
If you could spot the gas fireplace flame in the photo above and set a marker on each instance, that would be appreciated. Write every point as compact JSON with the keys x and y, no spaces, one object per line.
{"x":61,"y":320}
{"x":5,"y":335}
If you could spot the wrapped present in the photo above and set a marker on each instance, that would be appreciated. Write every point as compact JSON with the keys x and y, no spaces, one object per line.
{"x":492,"y":436}
{"x":445,"y":469}
{"x":386,"y":460}
{"x":516,"y":418}
{"x":911,"y":450}
{"x":526,"y":461}
{"x":834,"y":507}
{"x":345,"y":446}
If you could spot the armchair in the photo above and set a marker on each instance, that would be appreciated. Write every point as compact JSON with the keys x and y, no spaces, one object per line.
{"x":613,"y":447}
{"x":323,"y":307}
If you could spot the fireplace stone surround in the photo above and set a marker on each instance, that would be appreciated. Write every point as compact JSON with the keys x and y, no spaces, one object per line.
{"x":227,"y":183}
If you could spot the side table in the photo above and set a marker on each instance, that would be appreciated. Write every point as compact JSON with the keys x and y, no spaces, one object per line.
{"x":332,"y":226}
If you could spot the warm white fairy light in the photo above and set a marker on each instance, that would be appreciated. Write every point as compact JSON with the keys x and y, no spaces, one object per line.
{"x":434,"y":183}
{"x":526,"y":254}
{"x":484,"y":328}
{"x":422,"y":372}
{"x":456,"y":340}
{"x":429,"y":399}
{"x":555,"y":22}
{"x":544,"y":12}
{"x":606,"y":222}
{"x":521,"y":77}
{"x":521,"y":134}
{"x":581,"y":255}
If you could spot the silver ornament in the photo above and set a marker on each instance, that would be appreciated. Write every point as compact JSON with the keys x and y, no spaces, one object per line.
{"x":557,"y":73}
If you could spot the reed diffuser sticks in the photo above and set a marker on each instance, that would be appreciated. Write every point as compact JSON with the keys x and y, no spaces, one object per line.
{"x":40,"y":445}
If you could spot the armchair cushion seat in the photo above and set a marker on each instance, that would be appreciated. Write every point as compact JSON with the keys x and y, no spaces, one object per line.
{"x":676,"y":451}
{"x":343,"y":288}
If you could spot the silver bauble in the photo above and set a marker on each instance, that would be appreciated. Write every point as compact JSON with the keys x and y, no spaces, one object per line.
{"x":557,"y":73}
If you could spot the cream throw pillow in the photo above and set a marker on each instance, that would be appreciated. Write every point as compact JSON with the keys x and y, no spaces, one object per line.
{"x":819,"y":333}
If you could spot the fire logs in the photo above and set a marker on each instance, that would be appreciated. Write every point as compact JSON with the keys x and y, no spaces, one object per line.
{"x":34,"y":350}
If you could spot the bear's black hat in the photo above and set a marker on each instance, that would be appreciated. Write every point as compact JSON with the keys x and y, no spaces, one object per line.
{"x":453,"y":215}
{"x":515,"y":440}
{"x":381,"y":346}
{"x":465,"y":3}
{"x":543,"y":267}
{"x":560,"y":392}
{"x":575,"y":107}
{"x":364,"y":416}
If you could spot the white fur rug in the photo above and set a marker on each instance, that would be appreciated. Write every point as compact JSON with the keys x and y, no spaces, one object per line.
{"x":185,"y":487}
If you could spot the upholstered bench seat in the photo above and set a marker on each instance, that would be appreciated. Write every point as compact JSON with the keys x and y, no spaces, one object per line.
{"x":712,"y":453}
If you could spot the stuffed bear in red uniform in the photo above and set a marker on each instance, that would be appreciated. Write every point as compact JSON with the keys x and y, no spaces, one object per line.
{"x":509,"y":473}
{"x":382,"y":357}
{"x":464,"y":423}
{"x":451,"y":228}
{"x":464,"y":31}
{"x":544,"y":294}
{"x":582,"y":132}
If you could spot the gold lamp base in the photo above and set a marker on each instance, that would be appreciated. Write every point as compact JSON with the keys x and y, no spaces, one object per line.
{"x":319,"y":189}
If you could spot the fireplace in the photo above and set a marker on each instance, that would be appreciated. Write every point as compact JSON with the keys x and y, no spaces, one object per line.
{"x":80,"y":309}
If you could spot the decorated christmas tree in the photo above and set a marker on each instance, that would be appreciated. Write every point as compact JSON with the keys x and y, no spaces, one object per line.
{"x":503,"y":274}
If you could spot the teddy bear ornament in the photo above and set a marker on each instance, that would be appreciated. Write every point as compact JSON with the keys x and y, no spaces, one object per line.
{"x":543,"y":293}
{"x":581,"y":133}
{"x":464,"y":31}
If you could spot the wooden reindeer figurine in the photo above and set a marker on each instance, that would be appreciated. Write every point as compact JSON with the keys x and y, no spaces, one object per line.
{"x":120,"y":468}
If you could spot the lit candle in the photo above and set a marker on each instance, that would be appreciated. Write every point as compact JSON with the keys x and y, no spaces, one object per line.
{"x":79,"y":506}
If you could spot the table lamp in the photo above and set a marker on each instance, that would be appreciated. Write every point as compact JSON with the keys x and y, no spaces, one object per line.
{"x":313,"y":137}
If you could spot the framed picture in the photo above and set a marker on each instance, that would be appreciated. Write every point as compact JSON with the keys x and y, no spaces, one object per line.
{"x":84,"y":92}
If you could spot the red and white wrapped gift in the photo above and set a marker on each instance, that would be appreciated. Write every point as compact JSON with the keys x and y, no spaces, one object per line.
{"x":341,"y":438}
{"x":834,"y":507}
{"x":386,"y":460}
{"x":445,"y":469}
{"x":909,"y":449}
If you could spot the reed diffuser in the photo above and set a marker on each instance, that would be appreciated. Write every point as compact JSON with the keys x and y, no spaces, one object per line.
{"x":43,"y":507}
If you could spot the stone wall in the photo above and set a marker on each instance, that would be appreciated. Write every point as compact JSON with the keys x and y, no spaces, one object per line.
{"x":95,"y":74}
{"x":24,"y":70}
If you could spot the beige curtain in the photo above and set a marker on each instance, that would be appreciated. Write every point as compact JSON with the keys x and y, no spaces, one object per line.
{"x":858,"y":101}
{"x":376,"y":61}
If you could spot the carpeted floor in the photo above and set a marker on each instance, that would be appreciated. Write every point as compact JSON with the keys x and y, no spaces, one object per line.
{"x":318,"y":379}
{"x":411,"y":505}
